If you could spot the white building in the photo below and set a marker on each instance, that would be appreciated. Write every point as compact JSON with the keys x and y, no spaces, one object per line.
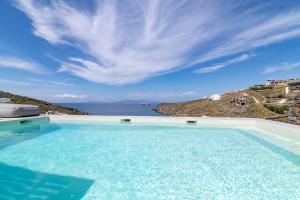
{"x":215,"y":97}
{"x":287,"y":90}
{"x":282,"y":101}
{"x":270,"y":82}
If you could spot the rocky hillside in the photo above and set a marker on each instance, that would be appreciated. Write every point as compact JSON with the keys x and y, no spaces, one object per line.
{"x":44,"y":106}
{"x":230,"y":105}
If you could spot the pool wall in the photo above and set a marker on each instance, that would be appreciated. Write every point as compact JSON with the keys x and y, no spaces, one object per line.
{"x":200,"y":121}
{"x":290,"y":130}
{"x":17,"y":123}
{"x":282,"y":134}
{"x":286,"y":136}
{"x":14,"y":120}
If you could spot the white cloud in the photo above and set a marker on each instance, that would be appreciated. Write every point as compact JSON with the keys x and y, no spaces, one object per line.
{"x":36,"y":83}
{"x":282,"y":67}
{"x":218,"y":66}
{"x":130,"y":42}
{"x":258,"y":33}
{"x":188,"y":93}
{"x":14,"y":82}
{"x":21,"y":64}
{"x":51,"y":83}
{"x":60,"y":83}
{"x":70,"y":96}
{"x":161,"y":96}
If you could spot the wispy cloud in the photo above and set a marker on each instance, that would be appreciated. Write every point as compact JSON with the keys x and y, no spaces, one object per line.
{"x":51,"y":83}
{"x":218,"y":66}
{"x":36,"y":83}
{"x":282,"y":67}
{"x":14,"y":82}
{"x":130,"y":42}
{"x":70,"y":96}
{"x":21,"y":64}
{"x":258,"y":31}
{"x":162,"y":96}
{"x":188,"y":93}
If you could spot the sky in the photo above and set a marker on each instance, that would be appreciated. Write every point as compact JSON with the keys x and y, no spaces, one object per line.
{"x":154,"y":50}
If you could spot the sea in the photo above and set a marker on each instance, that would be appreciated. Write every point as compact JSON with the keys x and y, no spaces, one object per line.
{"x":130,"y":109}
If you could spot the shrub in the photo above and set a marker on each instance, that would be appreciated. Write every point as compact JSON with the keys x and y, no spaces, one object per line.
{"x":258,"y":87}
{"x":280,"y":96}
{"x":277,"y":109}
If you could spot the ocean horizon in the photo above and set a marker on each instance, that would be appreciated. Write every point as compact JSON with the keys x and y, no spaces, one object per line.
{"x":131,"y":109}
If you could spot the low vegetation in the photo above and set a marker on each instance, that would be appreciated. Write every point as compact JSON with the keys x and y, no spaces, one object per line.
{"x":220,"y":108}
{"x":279,"y":109}
{"x":259,"y":87}
{"x":262,"y":102}
{"x":44,"y":106}
{"x":272,"y":92}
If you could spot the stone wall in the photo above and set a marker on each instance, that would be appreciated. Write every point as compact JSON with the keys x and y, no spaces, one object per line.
{"x":294,"y":102}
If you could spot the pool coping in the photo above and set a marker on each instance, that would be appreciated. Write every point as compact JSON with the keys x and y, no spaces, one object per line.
{"x":266,"y":125}
{"x":286,"y":136}
{"x":270,"y":129}
{"x":10,"y":121}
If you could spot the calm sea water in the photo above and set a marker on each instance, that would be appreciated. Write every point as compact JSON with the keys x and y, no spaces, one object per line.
{"x":114,"y":108}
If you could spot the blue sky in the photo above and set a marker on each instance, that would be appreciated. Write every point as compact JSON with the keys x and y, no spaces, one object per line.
{"x":158,"y":50}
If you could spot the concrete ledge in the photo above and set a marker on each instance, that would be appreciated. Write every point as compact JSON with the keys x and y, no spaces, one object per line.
{"x":227,"y":122}
{"x":266,"y":125}
{"x":23,"y":123}
{"x":289,"y":130}
{"x":284,"y":135}
{"x":12,"y":121}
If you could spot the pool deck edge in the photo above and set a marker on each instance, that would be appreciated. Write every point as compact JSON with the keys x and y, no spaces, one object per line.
{"x":269,"y":129}
{"x":7,"y":121}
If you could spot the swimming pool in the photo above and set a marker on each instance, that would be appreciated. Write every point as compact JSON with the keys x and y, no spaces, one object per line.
{"x":143,"y":161}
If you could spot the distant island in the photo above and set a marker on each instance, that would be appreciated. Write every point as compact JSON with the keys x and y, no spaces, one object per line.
{"x":268,"y":101}
{"x":45,"y":107}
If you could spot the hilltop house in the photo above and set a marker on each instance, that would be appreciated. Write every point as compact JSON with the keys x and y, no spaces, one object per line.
{"x":276,"y":82}
{"x":279,"y":82}
{"x":270,"y":82}
{"x":287,"y":89}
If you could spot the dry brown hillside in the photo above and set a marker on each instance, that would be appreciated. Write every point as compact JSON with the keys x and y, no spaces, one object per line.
{"x":225,"y":107}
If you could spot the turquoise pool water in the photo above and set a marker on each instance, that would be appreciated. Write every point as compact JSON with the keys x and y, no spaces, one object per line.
{"x":123,"y":161}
